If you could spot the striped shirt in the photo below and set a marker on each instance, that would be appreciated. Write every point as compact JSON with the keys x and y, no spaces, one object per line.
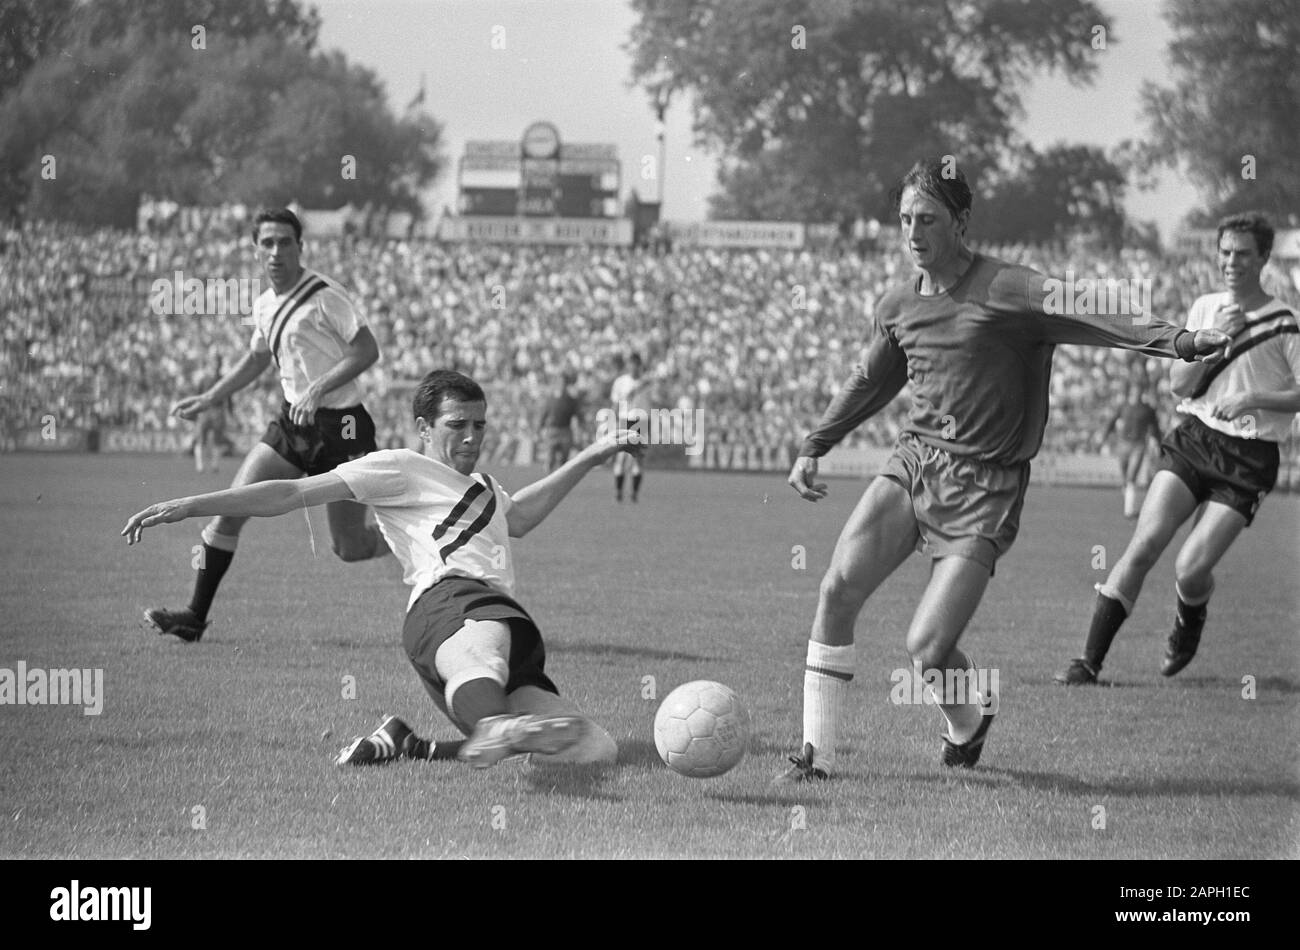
{"x":1264,"y":356}
{"x":437,"y":521}
{"x":979,"y":357}
{"x":307,"y":330}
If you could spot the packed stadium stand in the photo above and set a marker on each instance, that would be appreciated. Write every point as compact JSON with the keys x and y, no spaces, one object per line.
{"x":759,"y":339}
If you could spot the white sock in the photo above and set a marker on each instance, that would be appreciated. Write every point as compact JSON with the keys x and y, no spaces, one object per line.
{"x":1131,"y":499}
{"x":825,"y":681}
{"x":963,"y":719}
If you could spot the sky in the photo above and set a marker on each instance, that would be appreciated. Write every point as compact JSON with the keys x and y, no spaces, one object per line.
{"x":565,"y":61}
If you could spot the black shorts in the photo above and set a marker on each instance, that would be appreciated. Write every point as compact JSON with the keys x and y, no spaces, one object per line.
{"x":335,"y":436}
{"x":214,"y":423}
{"x":1219,"y":467}
{"x":443,"y":609}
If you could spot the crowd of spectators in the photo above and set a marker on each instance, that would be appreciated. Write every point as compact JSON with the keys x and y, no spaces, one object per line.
{"x":758,"y":339}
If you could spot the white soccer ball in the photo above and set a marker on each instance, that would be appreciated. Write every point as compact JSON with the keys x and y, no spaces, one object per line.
{"x":701,"y":729}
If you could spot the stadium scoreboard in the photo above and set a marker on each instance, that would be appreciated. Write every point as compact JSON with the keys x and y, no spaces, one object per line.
{"x":539,"y":176}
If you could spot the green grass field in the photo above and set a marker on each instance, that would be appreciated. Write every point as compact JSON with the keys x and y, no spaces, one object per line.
{"x":224,"y":748}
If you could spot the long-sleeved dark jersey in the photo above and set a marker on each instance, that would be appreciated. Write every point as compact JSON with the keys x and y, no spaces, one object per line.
{"x":980,"y":359}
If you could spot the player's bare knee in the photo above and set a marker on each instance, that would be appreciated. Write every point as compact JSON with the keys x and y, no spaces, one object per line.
{"x":926,"y":651}
{"x":838,"y":592}
{"x":1193,"y":570}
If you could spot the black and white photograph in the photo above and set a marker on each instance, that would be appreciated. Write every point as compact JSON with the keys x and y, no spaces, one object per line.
{"x":610,"y":430}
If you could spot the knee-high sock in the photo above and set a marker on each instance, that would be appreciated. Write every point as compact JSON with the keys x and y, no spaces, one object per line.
{"x":218,"y":552}
{"x":1111,"y":610}
{"x":961,"y":710}
{"x":826,"y":678}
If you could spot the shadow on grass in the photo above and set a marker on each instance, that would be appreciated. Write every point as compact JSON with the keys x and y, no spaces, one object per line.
{"x":614,"y":649}
{"x":574,"y":781}
{"x":1263,"y":685}
{"x":1139,"y":787}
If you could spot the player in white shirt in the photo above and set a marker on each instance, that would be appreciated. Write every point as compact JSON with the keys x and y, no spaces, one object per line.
{"x":1222,"y":459}
{"x":306,"y":324}
{"x":477,"y":651}
{"x":626,"y":394}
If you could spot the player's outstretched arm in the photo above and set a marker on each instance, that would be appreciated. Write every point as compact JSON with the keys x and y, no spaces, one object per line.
{"x":262,"y":500}
{"x":246,"y":370}
{"x":534,"y":502}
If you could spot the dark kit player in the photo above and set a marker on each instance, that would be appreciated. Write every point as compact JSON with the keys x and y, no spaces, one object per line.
{"x":975,"y":337}
{"x":1136,"y":424}
{"x":559,"y":413}
{"x":305,"y":324}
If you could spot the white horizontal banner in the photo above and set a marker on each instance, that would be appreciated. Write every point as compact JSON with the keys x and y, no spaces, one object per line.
{"x":737,"y":233}
{"x":614,"y":231}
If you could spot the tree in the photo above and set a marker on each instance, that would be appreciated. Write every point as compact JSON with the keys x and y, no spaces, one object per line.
{"x":1228,"y":118}
{"x":254,"y":119}
{"x":1047,"y":196}
{"x":817,"y":109}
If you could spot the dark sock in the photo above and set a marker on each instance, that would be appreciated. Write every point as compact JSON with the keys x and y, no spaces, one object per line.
{"x":215,"y":561}
{"x":477,"y":699}
{"x":618,"y":485}
{"x":1107,"y":617}
{"x":1189,"y":616}
{"x":436,"y":750}
{"x":636,"y":484}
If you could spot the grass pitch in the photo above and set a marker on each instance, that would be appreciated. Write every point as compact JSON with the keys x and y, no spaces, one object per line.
{"x":224,"y":749}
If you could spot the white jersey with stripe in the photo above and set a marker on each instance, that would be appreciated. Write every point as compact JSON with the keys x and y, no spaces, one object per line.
{"x":1263,"y":357}
{"x":628,"y":390}
{"x":437,"y":521}
{"x":307,"y":330}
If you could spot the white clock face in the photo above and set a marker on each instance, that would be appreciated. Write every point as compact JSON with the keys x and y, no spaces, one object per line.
{"x":541,"y":140}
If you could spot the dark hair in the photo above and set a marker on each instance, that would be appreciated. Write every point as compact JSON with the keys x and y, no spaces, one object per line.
{"x":937,"y":178}
{"x":1249,"y":222}
{"x":278,"y":216}
{"x":437,"y":386}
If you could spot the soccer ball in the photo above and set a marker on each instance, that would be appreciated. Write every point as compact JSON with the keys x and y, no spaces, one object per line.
{"x":701,"y":729}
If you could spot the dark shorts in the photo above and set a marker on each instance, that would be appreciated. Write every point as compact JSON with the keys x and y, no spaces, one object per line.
{"x":963,"y":507}
{"x":1219,"y":467}
{"x":335,"y":436}
{"x":443,"y":609}
{"x":212,"y":423}
{"x":559,"y":440}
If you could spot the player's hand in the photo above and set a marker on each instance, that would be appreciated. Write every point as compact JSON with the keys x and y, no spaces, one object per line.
{"x":1211,"y":345}
{"x":1233,"y":406}
{"x":190,"y":407}
{"x":302,"y":412}
{"x":611,"y":443}
{"x":164,"y":512}
{"x":1229,"y":318}
{"x":801,"y":479}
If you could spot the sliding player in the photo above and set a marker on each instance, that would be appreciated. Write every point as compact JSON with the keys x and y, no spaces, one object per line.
{"x":1223,"y":456}
{"x":476,"y":650}
{"x":306,"y":324}
{"x":975,"y":337}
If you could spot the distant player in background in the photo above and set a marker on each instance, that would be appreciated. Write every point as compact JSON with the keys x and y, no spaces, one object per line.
{"x":628,"y":393}
{"x":975,"y":337}
{"x":1221,"y":459}
{"x":211,"y":439}
{"x":1137,"y":426}
{"x":306,"y":324}
{"x":478,"y":653}
{"x":560,"y":413}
